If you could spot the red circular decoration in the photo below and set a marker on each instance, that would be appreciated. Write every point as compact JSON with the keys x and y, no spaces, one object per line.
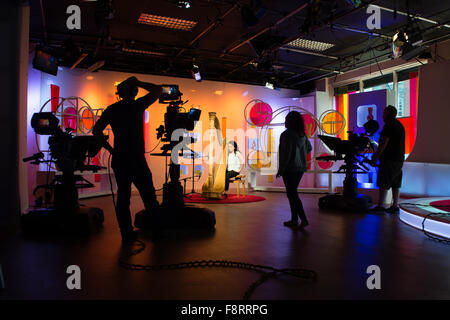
{"x":70,"y":118}
{"x":260,"y":114}
{"x":325,"y":165}
{"x":310,"y":124}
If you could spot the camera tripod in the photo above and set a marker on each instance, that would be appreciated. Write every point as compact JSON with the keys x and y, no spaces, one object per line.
{"x":193,"y":155}
{"x":173,"y":213}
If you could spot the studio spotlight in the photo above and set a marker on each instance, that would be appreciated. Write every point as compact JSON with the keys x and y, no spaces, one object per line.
{"x":407,"y":43}
{"x":196,"y":73}
{"x":184,"y":4}
{"x":270,"y":85}
{"x":398,"y":42}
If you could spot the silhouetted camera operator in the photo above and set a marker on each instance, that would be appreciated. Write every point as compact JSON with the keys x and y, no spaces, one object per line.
{"x":391,"y":152}
{"x":128,"y":155}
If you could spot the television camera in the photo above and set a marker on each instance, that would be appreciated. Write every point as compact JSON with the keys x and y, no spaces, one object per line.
{"x":351,"y":151}
{"x":173,"y":208}
{"x":174,"y":120}
{"x":68,"y":153}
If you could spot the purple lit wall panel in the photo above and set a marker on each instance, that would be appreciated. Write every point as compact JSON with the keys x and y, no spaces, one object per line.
{"x":365,"y":100}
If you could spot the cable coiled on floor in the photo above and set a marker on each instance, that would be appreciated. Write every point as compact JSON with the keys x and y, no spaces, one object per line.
{"x":267,"y":271}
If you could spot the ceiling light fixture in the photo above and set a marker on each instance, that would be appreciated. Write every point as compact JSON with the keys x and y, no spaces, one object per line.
{"x":310,"y":44}
{"x":96,"y":66}
{"x":270,"y":85}
{"x":184,"y":4}
{"x":153,"y":53}
{"x":196,"y":73}
{"x":166,"y":22}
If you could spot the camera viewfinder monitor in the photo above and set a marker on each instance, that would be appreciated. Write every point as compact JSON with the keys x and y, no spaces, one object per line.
{"x":169,"y":93}
{"x":44,"y":123}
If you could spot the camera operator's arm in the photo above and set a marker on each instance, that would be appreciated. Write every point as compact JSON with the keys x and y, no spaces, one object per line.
{"x":97,"y":131}
{"x":381,"y":146}
{"x":154,"y":93}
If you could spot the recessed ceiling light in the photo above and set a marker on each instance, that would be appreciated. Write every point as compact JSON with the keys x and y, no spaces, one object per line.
{"x":310,"y":44}
{"x":166,"y":22}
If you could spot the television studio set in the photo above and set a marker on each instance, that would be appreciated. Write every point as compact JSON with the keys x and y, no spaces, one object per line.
{"x":225,"y":159}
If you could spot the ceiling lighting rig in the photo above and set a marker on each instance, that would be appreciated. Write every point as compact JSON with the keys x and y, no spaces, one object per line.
{"x":145,"y":52}
{"x":166,"y":22}
{"x":310,"y":45}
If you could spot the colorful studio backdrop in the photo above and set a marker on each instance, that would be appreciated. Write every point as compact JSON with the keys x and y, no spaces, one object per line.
{"x":253,"y":116}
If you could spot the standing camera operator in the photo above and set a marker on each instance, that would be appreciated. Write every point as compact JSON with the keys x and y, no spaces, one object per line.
{"x":391,"y":152}
{"x":128,"y":155}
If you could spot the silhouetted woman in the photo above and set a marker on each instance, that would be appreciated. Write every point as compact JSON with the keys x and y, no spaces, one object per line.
{"x":292,"y":163}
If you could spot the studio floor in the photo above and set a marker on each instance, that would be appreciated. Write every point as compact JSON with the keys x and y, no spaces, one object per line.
{"x":339,"y":246}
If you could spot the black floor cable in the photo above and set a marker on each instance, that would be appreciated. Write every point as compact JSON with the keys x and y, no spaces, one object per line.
{"x":439,"y":239}
{"x":436,"y":214}
{"x":267,"y":271}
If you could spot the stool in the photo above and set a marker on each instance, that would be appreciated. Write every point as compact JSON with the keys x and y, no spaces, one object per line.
{"x":239,"y":179}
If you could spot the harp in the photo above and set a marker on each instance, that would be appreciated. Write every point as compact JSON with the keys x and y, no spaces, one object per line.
{"x":214,"y":186}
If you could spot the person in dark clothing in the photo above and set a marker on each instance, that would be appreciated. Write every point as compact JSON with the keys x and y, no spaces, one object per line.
{"x":292,"y":164}
{"x":128,"y":155}
{"x":391,"y":152}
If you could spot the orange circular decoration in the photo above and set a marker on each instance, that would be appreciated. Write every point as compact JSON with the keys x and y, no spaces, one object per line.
{"x":258,"y":160}
{"x":332,"y":122}
{"x":87,"y":119}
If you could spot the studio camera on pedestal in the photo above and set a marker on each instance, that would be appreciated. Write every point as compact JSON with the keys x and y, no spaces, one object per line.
{"x":351,"y":151}
{"x":60,"y":211}
{"x":175,"y":135}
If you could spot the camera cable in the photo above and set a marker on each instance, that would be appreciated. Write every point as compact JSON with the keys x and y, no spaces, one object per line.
{"x":435,"y":214}
{"x":267,"y":271}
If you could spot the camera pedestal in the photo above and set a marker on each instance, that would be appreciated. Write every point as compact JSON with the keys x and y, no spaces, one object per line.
{"x":46,"y":221}
{"x":356,"y":203}
{"x":351,"y":200}
{"x":186,"y":217}
{"x":173,"y":213}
